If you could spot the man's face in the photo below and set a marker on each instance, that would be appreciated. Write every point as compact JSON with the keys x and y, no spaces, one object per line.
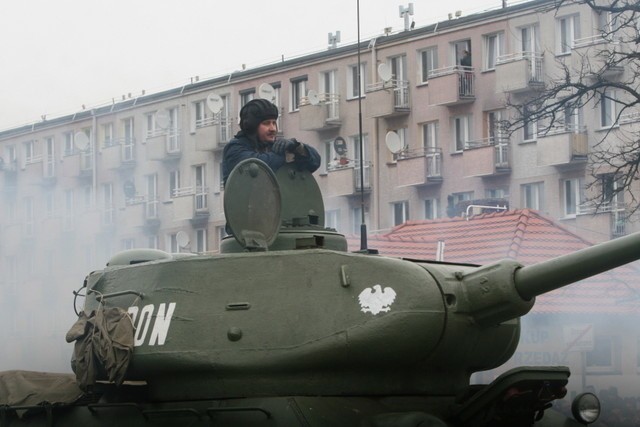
{"x":267,"y":130}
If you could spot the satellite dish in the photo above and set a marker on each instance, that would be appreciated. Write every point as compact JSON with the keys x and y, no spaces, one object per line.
{"x":129,"y":189}
{"x":182,"y":239}
{"x":340,"y":145}
{"x":266,"y":91}
{"x":313,"y":97}
{"x":81,"y":141}
{"x":394,"y":144}
{"x":384,"y":71}
{"x":163,"y":119}
{"x":214,"y":102}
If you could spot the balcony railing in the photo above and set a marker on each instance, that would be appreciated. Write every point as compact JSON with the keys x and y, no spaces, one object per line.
{"x":321,"y":115}
{"x":488,"y":156}
{"x":388,"y":98}
{"x":420,"y":166}
{"x":451,"y":85}
{"x":533,"y":61}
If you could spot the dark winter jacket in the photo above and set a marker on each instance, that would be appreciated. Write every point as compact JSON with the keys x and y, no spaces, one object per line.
{"x":243,"y":147}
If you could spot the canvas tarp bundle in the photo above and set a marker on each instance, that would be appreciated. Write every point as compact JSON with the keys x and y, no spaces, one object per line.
{"x":26,"y":388}
{"x":104,"y":344}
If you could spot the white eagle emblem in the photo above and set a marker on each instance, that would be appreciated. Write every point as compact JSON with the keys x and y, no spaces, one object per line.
{"x":376,"y":300}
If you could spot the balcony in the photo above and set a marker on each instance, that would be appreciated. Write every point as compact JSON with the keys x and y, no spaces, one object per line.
{"x":191,"y":204}
{"x":607,"y":216}
{"x":388,"y":99}
{"x":345,"y":180}
{"x":9,"y":168}
{"x":321,"y":116}
{"x":119,"y":153}
{"x":590,"y":56}
{"x":451,"y":86}
{"x":213,"y":133}
{"x":487,"y":157}
{"x":164,"y":145}
{"x":519,"y":72}
{"x":419,"y":167}
{"x":563,"y":146}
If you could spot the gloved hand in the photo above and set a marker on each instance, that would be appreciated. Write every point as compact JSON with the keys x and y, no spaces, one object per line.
{"x":282,"y":146}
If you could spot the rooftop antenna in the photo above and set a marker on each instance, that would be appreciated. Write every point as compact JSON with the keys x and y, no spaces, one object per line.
{"x":363,"y":225}
{"x":405,"y":12}
{"x":334,"y":40}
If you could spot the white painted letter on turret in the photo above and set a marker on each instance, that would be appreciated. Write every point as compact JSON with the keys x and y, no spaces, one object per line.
{"x":161,"y":325}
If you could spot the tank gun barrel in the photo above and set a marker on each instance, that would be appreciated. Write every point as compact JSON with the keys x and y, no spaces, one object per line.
{"x":537,"y":279}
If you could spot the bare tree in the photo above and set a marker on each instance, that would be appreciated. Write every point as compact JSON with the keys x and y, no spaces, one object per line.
{"x":602,"y":72}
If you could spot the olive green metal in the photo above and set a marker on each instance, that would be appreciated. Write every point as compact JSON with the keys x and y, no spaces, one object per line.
{"x":285,"y":327}
{"x":548,"y":275}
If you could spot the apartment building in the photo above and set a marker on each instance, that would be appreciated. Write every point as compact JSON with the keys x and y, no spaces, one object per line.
{"x":145,"y":171}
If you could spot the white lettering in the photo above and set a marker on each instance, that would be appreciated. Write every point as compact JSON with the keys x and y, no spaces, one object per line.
{"x":161,"y":325}
{"x":133,"y":311}
{"x":143,"y":325}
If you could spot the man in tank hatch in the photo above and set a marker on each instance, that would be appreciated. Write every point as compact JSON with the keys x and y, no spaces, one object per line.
{"x":257,"y":139}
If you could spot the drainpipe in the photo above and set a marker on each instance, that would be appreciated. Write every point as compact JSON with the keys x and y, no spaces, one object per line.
{"x":375,"y":197}
{"x":94,"y":158}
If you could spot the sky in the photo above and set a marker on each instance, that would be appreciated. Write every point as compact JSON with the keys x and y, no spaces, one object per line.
{"x":58,"y":55}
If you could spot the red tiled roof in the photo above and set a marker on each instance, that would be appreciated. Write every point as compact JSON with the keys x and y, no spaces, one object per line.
{"x":523,"y":235}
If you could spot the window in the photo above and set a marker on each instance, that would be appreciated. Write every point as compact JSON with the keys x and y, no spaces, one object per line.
{"x":298,"y":91}
{"x":533,"y":196}
{"x":361,"y":161}
{"x":431,"y":209}
{"x":201,"y":240}
{"x":128,"y":140}
{"x":50,"y":157}
{"x":400,"y":212}
{"x":68,"y":143}
{"x":605,"y":356}
{"x":428,"y":62}
{"x":174,"y":182}
{"x":567,"y":31}
{"x":201,"y":115}
{"x":352,"y":80}
{"x":529,"y":38}
{"x":459,"y":49}
{"x":496,"y":193}
{"x":226,"y":122}
{"x":612,"y":194}
{"x":246,"y":96}
{"x":332,"y":219}
{"x":108,"y":214}
{"x":493,"y":48}
{"x":430,"y":136}
{"x":151,"y":208}
{"x":29,"y":152}
{"x":398,"y":67}
{"x":150,"y":119}
{"x":493,"y":128}
{"x":530,"y":128}
{"x":573,"y":196}
{"x":172,"y":243}
{"x":608,"y":108}
{"x":572,"y":118}
{"x":107,"y":135}
{"x":356,"y":219}
{"x":461,"y":132}
{"x":201,"y":187}
{"x":328,"y":86}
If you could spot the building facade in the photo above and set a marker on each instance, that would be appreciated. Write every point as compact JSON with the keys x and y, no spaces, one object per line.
{"x":145,"y":171}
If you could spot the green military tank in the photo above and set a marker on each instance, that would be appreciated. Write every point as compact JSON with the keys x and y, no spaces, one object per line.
{"x":285,"y":327}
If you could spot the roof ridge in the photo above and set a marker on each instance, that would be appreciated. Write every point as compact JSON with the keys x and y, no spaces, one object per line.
{"x":518,"y":234}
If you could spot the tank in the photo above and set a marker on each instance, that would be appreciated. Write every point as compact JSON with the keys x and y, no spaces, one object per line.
{"x":285,"y":327}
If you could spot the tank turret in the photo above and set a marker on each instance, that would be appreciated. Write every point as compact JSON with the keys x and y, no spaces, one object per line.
{"x":286,"y":321}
